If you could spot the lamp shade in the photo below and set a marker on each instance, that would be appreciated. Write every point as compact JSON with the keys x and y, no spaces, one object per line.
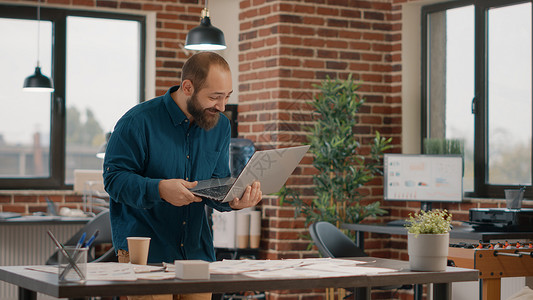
{"x":205,"y":37}
{"x":38,"y":82}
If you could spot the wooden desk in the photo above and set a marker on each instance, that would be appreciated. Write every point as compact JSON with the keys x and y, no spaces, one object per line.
{"x":30,"y":282}
{"x":458,"y":232}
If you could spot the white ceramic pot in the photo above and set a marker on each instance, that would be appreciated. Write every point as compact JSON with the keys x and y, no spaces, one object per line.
{"x":428,"y":252}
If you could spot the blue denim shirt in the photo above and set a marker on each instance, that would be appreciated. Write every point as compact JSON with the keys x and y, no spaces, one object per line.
{"x":153,"y":141}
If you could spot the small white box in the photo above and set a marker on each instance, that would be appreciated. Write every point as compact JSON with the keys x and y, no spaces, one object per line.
{"x":191,"y":269}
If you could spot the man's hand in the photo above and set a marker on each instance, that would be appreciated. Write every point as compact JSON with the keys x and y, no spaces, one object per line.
{"x":252,"y":196}
{"x":176,"y":192}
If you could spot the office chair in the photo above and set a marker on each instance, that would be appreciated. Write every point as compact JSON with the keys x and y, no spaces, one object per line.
{"x":102,"y":223}
{"x":332,"y":242}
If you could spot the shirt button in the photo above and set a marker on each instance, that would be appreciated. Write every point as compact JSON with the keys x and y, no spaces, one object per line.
{"x":187,"y":178}
{"x":182,"y":245}
{"x":184,"y":222}
{"x":186,"y":121}
{"x":187,"y":156}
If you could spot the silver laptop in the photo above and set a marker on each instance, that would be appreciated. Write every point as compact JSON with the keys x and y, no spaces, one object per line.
{"x":270,"y":167}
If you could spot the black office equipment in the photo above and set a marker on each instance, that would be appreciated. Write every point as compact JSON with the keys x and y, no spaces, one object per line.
{"x":501,"y":219}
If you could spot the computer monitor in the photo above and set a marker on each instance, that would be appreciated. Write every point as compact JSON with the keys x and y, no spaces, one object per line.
{"x":424,"y":178}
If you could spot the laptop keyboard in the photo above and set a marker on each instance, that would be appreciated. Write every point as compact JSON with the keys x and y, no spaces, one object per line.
{"x":217,"y":193}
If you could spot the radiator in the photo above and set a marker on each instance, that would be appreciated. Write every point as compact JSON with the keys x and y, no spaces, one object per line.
{"x":29,"y":244}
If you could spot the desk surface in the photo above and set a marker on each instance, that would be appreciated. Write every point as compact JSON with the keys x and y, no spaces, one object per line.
{"x":458,"y":232}
{"x":47,"y":283}
{"x":44,"y":220}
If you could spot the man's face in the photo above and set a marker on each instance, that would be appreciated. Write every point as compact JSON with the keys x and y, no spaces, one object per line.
{"x":206,"y":104}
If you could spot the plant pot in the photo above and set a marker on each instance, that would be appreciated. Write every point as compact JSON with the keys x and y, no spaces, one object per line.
{"x":428,"y":252}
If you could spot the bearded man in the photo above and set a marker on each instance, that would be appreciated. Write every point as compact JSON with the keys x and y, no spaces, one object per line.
{"x":158,"y":151}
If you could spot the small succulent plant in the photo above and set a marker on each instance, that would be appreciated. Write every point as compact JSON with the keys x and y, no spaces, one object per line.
{"x":429,"y":222}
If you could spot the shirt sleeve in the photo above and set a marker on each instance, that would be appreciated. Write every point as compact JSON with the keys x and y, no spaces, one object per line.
{"x":124,"y":161}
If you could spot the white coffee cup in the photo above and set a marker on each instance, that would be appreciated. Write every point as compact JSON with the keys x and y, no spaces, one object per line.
{"x":138,"y":249}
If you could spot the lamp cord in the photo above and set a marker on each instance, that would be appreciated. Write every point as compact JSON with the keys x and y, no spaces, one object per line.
{"x":38,"y":29}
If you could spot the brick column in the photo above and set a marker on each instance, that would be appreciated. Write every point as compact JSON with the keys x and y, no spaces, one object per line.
{"x":285,"y":48}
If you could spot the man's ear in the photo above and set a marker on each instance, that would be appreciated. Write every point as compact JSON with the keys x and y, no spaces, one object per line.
{"x":187,"y":87}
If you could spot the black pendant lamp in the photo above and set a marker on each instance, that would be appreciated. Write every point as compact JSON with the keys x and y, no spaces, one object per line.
{"x":205,"y":37}
{"x":37,"y":82}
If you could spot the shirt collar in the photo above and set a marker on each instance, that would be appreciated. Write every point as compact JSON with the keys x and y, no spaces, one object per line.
{"x":175,"y":112}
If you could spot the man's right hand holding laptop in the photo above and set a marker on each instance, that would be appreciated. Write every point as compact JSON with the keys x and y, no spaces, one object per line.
{"x":252,"y":195}
{"x":177,"y":193}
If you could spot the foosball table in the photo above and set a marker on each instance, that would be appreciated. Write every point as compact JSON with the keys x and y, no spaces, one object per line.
{"x":494,"y":261}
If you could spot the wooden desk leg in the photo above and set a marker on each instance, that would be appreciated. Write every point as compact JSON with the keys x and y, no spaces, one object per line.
{"x":330,"y":294}
{"x":491,"y":289}
{"x":342,"y":293}
{"x":25,"y":294}
{"x":442,"y":291}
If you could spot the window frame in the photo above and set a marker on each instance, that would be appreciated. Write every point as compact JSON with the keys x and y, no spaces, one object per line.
{"x":482,"y":188}
{"x":58,"y":17}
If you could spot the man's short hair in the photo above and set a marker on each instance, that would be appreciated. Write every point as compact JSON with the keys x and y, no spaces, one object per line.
{"x":196,"y":68}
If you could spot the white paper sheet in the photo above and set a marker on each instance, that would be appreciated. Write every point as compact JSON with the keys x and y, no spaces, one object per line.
{"x":109,"y":271}
{"x":290,"y":268}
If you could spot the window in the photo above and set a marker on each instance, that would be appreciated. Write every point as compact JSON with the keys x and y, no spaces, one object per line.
{"x":96,"y":61}
{"x":477,"y":87}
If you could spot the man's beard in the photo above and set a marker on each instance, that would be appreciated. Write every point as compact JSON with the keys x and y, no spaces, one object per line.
{"x":201,"y":116}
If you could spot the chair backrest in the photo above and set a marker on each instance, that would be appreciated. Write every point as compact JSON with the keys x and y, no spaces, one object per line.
{"x":102,"y":223}
{"x":331,"y":242}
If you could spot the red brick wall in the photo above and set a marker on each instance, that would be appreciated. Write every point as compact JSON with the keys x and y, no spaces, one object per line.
{"x":29,"y":202}
{"x":285,"y":48}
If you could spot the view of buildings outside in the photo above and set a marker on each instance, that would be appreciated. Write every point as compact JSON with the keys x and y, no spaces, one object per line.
{"x":102,"y":84}
{"x":509,"y":91}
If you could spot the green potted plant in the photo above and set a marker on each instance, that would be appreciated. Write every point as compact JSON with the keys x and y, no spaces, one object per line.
{"x":342,"y":166}
{"x":443,"y":146}
{"x":428,"y":238}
